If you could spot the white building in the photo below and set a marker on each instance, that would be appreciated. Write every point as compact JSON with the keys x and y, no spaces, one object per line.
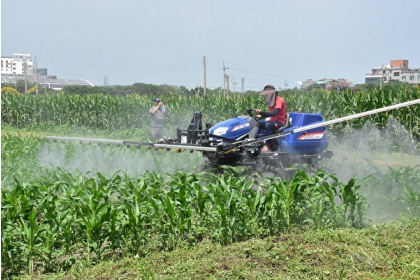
{"x":20,"y":66}
{"x":397,"y":70}
{"x":17,"y":64}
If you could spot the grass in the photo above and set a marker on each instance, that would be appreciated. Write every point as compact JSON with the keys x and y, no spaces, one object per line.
{"x":387,"y":251}
{"x":132,"y":134}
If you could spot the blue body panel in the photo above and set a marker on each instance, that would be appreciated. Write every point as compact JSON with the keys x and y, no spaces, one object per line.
{"x":230,"y":125}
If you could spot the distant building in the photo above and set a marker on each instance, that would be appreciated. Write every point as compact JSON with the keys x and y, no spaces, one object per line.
{"x":21,"y":66}
{"x":324,"y":82}
{"x":47,"y":81}
{"x":397,"y":70}
{"x":17,"y":64}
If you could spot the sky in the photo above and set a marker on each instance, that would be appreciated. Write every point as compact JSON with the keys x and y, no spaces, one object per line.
{"x":259,"y":42}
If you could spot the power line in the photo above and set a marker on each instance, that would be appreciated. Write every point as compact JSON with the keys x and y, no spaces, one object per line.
{"x":265,"y":74}
{"x":164,"y":69}
{"x":81,"y":64}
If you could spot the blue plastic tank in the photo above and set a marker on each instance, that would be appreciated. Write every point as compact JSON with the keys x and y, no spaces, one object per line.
{"x":307,"y":142}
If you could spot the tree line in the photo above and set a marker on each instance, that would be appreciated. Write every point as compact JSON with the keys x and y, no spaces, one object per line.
{"x":165,"y":90}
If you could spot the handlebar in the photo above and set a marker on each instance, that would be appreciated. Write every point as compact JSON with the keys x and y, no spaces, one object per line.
{"x":256,"y":117}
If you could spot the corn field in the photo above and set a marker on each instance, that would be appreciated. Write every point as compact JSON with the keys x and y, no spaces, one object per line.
{"x":53,"y":217}
{"x":115,"y":113}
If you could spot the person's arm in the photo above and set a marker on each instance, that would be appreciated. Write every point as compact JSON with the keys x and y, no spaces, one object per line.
{"x":266,"y":114}
{"x":156,"y":108}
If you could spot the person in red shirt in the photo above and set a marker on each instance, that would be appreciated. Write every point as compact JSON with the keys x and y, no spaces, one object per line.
{"x":276,"y":113}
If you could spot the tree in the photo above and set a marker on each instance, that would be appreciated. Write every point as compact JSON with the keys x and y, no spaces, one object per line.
{"x":9,"y":90}
{"x":338,"y":86}
{"x":315,"y":86}
{"x":20,"y":86}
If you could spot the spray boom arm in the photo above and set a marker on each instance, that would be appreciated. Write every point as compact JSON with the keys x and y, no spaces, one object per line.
{"x":334,"y":121}
{"x":233,"y":144}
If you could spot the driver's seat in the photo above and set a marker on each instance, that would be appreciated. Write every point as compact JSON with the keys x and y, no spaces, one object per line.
{"x":286,"y":125}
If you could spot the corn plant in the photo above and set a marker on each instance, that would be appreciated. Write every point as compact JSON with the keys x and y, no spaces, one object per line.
{"x":93,"y":213}
{"x":407,"y":179}
{"x":136,"y":213}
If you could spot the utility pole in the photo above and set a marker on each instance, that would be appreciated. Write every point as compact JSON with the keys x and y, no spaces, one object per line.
{"x":243,"y":83}
{"x":227,"y":85}
{"x":36,"y":71}
{"x":285,"y":84}
{"x":234,"y":84}
{"x":204,"y":70}
{"x":105,"y":80}
{"x":225,"y":79}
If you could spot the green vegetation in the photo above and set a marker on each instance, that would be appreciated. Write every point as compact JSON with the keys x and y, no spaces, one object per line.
{"x":111,"y":113}
{"x":388,"y":251}
{"x":77,"y":211}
